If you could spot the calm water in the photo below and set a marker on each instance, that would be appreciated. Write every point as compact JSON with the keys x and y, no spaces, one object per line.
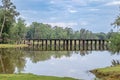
{"x":74,"y":64}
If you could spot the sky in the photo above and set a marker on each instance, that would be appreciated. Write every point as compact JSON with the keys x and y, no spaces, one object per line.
{"x":94,"y":15}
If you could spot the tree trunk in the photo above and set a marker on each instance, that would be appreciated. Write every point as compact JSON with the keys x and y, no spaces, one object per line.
{"x":2,"y":27}
{"x":2,"y":65}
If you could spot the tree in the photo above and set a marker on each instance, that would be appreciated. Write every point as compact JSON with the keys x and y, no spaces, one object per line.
{"x":117,"y":22}
{"x":69,"y":32}
{"x":76,"y":35}
{"x":82,"y":33}
{"x":110,"y":33}
{"x":18,"y":31}
{"x":21,"y":26}
{"x":58,"y":32}
{"x":8,"y":12}
{"x":101,"y":35}
{"x":115,"y":37}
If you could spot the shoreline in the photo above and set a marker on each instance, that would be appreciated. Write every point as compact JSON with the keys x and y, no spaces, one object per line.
{"x":13,"y":45}
{"x":108,"y":73}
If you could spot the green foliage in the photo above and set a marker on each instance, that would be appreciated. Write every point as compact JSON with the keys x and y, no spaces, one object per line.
{"x":101,"y":35}
{"x":117,"y":22}
{"x":5,"y":38}
{"x":18,"y":31}
{"x":7,"y":17}
{"x":69,"y":33}
{"x":115,"y":43}
{"x":39,"y":30}
{"x":109,"y":34}
{"x":86,"y":34}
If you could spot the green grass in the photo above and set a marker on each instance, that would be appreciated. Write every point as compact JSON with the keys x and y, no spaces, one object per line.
{"x":108,"y":73}
{"x":110,"y":69}
{"x":31,"y":77}
{"x":12,"y":45}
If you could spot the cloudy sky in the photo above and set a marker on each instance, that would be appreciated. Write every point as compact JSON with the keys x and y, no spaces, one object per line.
{"x":94,"y":15}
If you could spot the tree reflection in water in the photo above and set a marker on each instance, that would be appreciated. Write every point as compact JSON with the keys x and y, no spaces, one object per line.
{"x":113,"y":52}
{"x":10,"y":59}
{"x":115,"y":62}
{"x":15,"y":59}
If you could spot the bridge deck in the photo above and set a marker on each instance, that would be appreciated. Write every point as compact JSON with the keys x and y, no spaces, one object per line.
{"x":69,"y":39}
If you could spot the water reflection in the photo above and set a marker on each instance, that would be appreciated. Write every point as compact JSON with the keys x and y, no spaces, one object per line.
{"x":11,"y":59}
{"x":115,"y":62}
{"x":57,"y":63}
{"x":36,"y":56}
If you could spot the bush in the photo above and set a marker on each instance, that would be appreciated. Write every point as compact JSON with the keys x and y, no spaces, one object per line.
{"x":115,"y":43}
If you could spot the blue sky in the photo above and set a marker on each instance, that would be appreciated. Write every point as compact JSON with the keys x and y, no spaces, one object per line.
{"x":94,"y":15}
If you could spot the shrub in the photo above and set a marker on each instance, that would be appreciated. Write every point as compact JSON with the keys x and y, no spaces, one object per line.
{"x":115,"y":43}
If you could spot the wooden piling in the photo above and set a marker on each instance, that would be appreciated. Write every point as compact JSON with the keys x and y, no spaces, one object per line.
{"x":55,"y":45}
{"x":46,"y":44}
{"x":64,"y":44}
{"x":42,"y":44}
{"x":83,"y":44}
{"x":67,"y":41}
{"x":75,"y":45}
{"x":79,"y":44}
{"x":50,"y":44}
{"x":70,"y":44}
{"x":87,"y":44}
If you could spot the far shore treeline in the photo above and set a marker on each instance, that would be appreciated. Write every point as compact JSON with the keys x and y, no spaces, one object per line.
{"x":13,"y":28}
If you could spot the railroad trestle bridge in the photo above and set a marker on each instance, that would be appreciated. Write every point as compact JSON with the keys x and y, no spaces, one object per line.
{"x":68,"y":44}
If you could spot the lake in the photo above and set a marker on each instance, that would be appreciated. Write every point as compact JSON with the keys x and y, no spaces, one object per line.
{"x":74,"y":64}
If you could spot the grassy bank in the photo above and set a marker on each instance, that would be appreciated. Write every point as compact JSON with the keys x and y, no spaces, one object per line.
{"x":31,"y":77}
{"x":12,"y":45}
{"x":108,"y":73}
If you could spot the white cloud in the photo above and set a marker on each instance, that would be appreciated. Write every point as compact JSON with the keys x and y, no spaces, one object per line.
{"x":69,"y":24}
{"x":80,"y":2}
{"x":83,"y":23}
{"x":72,"y":10}
{"x":94,"y":9}
{"x":62,"y":24}
{"x":113,"y":3}
{"x":52,"y":2}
